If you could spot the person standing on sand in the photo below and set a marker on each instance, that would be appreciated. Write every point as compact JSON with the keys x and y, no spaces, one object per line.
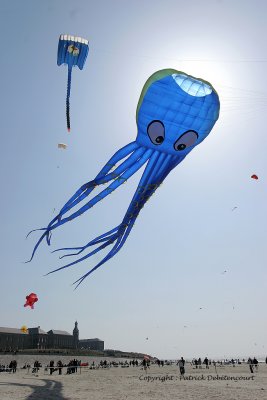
{"x":10,"y":367}
{"x":206,"y":362}
{"x":51,"y":365}
{"x":250,"y":363}
{"x":181,"y":363}
{"x":255,"y":362}
{"x":145,"y":364}
{"x":14,"y":369}
{"x":59,"y":365}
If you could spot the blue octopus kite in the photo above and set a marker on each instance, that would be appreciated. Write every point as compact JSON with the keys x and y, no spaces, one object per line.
{"x":174,"y":114}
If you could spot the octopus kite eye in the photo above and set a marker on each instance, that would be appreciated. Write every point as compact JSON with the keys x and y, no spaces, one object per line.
{"x":187,"y":139}
{"x":156,"y":132}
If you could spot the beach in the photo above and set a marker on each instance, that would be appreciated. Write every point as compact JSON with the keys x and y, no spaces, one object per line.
{"x":114,"y":383}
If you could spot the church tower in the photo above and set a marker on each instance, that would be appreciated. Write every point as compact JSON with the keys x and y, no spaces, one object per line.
{"x":75,"y":336}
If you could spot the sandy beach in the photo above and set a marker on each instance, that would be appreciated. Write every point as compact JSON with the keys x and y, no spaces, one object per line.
{"x":231,"y":383}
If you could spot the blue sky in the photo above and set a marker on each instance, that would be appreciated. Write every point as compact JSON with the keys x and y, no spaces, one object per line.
{"x":187,"y":235}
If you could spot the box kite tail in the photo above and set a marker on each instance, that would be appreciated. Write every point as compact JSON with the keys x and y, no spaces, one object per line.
{"x":68,"y":98}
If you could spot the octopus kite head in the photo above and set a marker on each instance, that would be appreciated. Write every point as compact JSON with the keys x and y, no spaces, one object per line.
{"x":175,"y":112}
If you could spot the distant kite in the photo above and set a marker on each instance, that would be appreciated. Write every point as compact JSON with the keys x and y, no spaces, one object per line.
{"x":254,"y":176}
{"x":62,"y":146}
{"x":30,"y":300}
{"x":73,"y":51}
{"x":175,"y":113}
{"x":24,"y":329}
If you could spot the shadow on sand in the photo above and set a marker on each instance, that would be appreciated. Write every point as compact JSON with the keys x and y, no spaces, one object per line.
{"x":50,"y":390}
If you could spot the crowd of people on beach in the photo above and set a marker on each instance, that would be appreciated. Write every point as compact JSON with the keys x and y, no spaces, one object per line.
{"x":11,"y":367}
{"x":108,"y":364}
{"x":197,"y":363}
{"x":73,"y":365}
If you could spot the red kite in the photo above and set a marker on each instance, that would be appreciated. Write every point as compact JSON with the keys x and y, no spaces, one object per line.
{"x":30,"y":300}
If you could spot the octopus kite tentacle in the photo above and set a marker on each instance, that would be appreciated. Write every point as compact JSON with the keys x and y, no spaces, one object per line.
{"x":89,"y":186}
{"x":118,"y":181}
{"x":140,"y":189}
{"x":128,"y":221}
{"x":124,"y":227}
{"x":97,"y":240}
{"x":116,"y":174}
{"x":146,"y":188}
{"x":113,"y":186}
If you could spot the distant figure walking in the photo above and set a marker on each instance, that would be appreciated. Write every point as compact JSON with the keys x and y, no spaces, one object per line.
{"x":181,"y":364}
{"x":11,"y":366}
{"x":145,"y":364}
{"x":51,"y":365}
{"x":206,"y":362}
{"x":250,"y":363}
{"x":255,"y":363}
{"x":14,"y":366}
{"x":59,"y":365}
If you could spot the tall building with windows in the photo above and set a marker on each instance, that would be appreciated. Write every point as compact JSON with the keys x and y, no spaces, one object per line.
{"x":12,"y":339}
{"x":37,"y":338}
{"x":59,"y":339}
{"x":92,"y":344}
